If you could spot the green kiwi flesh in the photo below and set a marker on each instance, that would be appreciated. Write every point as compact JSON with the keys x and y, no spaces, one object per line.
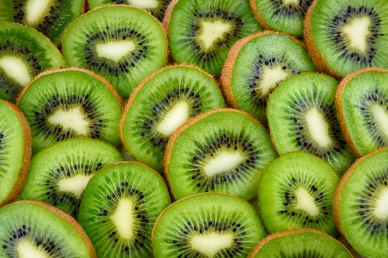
{"x":121,"y":43}
{"x":296,"y":191}
{"x":60,"y":172}
{"x":24,"y":53}
{"x":49,"y":17}
{"x":71,"y":103}
{"x":207,"y":225}
{"x":119,"y":208}
{"x":363,"y":104}
{"x":33,"y":229}
{"x":162,"y":103}
{"x":301,"y":116}
{"x":223,"y":150}
{"x":361,"y":205}
{"x":201,"y":32}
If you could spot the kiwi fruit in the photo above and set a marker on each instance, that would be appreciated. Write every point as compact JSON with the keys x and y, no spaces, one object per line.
{"x":122,"y":43}
{"x":296,"y":191}
{"x":155,"y":7}
{"x":301,"y":116}
{"x":24,"y":53}
{"x":49,"y":17}
{"x":59,"y":173}
{"x":119,"y":207}
{"x":362,"y":106}
{"x":256,"y":65}
{"x":343,"y":36}
{"x":306,"y":243}
{"x":201,"y":32}
{"x":285,"y":16}
{"x":207,"y":225}
{"x":15,"y":151}
{"x":222,"y":150}
{"x":360,"y":204}
{"x":71,"y":102}
{"x":36,"y":229}
{"x":161,"y":104}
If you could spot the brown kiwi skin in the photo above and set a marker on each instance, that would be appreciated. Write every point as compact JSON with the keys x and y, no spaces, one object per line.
{"x":227,"y":70}
{"x":167,"y":15}
{"x":258,"y":16}
{"x":338,"y":104}
{"x":270,"y":237}
{"x":141,"y":85}
{"x":26,"y":156}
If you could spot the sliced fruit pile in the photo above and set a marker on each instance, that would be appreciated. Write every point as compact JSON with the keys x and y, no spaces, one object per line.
{"x":194,"y":128}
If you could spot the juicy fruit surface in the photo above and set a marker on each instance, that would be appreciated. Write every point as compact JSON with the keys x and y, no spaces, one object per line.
{"x":121,"y":43}
{"x":71,"y":103}
{"x":361,"y":204}
{"x":296,"y":191}
{"x":31,"y":230}
{"x":207,"y":225}
{"x":363,"y":105}
{"x":201,"y":32}
{"x":23,"y":54}
{"x":229,"y":157}
{"x":301,"y":116}
{"x":119,"y":208}
{"x":60,"y":173}
{"x":349,"y":34}
{"x":260,"y":66}
{"x":162,"y":104}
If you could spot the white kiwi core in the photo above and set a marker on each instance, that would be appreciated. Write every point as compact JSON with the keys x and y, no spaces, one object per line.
{"x":115,"y":50}
{"x":271,"y":77}
{"x":305,"y":202}
{"x":174,"y":118}
{"x":380,"y":115}
{"x":124,"y":219}
{"x":356,"y":33}
{"x":222,"y":162}
{"x":318,"y":127}
{"x":212,"y":31}
{"x":209,"y":244}
{"x":27,"y":249}
{"x":16,"y":69}
{"x":36,"y":10}
{"x":72,"y":119}
{"x":75,"y":185}
{"x":146,"y":4}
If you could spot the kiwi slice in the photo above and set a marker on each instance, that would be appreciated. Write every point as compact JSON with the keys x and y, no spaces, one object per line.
{"x":155,"y":7}
{"x":24,"y":53}
{"x":296,"y":191}
{"x":35,"y":229}
{"x":207,"y":225}
{"x":122,"y":43}
{"x":360,"y":204}
{"x":301,"y":116}
{"x":49,"y":17}
{"x":201,"y":32}
{"x":343,"y":36}
{"x":60,"y":173}
{"x":161,"y":104}
{"x":282,"y":15}
{"x":256,"y":65}
{"x":362,"y":106}
{"x":222,"y":150}
{"x":307,"y":243}
{"x":15,"y":151}
{"x":71,"y":102}
{"x":119,"y":208}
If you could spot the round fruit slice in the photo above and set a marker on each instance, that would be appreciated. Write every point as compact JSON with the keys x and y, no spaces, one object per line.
{"x":347,"y":35}
{"x":155,"y":7}
{"x":207,"y":225}
{"x":300,"y":243}
{"x":122,"y":43}
{"x":296,"y":191}
{"x":360,"y":204}
{"x":72,"y":102}
{"x":60,"y":173}
{"x":256,"y":65}
{"x":49,"y":16}
{"x":201,"y":32}
{"x":222,"y":150}
{"x":24,"y":53}
{"x":301,"y":116}
{"x":362,"y":106}
{"x":119,"y":208}
{"x":162,"y":103}
{"x":35,"y":229}
{"x":282,"y":15}
{"x":15,"y":151}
